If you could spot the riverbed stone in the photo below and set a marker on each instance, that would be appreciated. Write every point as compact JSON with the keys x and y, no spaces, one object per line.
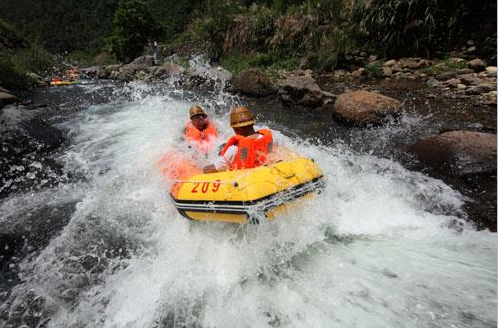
{"x":465,"y":71}
{"x":477,"y":65}
{"x":481,"y":88}
{"x":453,"y":83}
{"x":386,"y":71}
{"x":491,"y":71}
{"x":365,"y":108}
{"x":432,"y":82}
{"x":471,"y":49}
{"x":445,"y":76}
{"x":458,"y":153}
{"x":413,"y":63}
{"x":389,"y":63}
{"x":489,"y":98}
{"x":470,"y":79}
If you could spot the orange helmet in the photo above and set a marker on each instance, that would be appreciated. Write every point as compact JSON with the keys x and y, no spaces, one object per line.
{"x":196,"y":110}
{"x":241,"y":116}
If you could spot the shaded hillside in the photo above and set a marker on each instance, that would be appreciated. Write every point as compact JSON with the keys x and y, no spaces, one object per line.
{"x":19,"y":58}
{"x":61,"y":26}
{"x":319,"y":34}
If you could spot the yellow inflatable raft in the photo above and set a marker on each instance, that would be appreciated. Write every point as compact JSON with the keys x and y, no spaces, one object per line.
{"x":246,"y":195}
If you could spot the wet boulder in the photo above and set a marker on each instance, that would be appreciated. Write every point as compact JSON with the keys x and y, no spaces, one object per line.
{"x":458,"y":153}
{"x":143,"y":61}
{"x":365,"y":108}
{"x":253,"y":82}
{"x":22,"y":124}
{"x":37,"y":80}
{"x":168,"y":70}
{"x":106,"y":71}
{"x":7,"y":98}
{"x":302,"y":90}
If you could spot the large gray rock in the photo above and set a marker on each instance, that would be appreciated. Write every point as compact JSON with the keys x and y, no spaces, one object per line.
{"x":253,"y":82}
{"x":7,"y":98}
{"x":302,"y":90}
{"x":458,"y":153}
{"x":365,"y":108}
{"x":37,"y":79}
{"x":143,"y":61}
{"x":106,"y":71}
{"x":168,"y":70}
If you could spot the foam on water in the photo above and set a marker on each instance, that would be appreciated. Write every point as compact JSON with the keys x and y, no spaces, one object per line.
{"x":381,"y":247}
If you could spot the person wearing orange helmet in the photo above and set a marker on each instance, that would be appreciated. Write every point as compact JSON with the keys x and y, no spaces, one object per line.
{"x":248,"y":148}
{"x":200,"y":131}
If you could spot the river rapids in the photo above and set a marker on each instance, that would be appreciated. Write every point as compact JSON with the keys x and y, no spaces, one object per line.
{"x":382,"y":246}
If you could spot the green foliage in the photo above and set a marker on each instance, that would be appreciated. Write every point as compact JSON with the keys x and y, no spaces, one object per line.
{"x":10,"y":38}
{"x":281,"y":6}
{"x":374,"y":69}
{"x":61,"y":26}
{"x":236,"y":63}
{"x":18,"y":58}
{"x":262,"y":28}
{"x":401,"y":27}
{"x":331,"y":49}
{"x":34,"y":59}
{"x":12,"y":77}
{"x":211,"y":27}
{"x":133,"y":25}
{"x":447,"y":65}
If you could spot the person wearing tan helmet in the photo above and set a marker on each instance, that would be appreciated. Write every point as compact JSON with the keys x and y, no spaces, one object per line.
{"x":200,"y":131}
{"x":247,"y":148}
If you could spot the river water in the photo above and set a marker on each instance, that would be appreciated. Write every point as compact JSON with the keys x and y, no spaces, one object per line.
{"x":383,"y":246}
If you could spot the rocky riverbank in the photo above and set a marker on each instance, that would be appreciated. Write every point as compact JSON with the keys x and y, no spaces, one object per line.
{"x":350,"y":97}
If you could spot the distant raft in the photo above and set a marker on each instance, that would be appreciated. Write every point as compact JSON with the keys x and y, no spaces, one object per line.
{"x":58,"y":82}
{"x":241,"y":196}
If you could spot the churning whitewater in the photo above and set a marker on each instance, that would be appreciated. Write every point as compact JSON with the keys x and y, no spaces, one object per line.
{"x":382,"y":246}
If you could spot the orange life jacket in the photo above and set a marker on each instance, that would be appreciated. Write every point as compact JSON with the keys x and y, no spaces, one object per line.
{"x":203,"y":139}
{"x":251,"y":152}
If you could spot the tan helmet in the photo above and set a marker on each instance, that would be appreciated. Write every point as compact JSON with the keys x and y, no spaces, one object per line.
{"x":196,"y":110}
{"x":241,"y":116}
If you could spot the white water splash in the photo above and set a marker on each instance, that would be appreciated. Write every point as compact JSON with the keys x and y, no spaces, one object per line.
{"x":381,"y":247}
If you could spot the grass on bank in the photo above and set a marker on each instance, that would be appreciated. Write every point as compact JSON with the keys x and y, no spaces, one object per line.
{"x":236,"y":63}
{"x":16,"y":64}
{"x":447,"y":65}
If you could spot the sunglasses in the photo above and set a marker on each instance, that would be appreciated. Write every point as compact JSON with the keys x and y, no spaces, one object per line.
{"x":198,"y":117}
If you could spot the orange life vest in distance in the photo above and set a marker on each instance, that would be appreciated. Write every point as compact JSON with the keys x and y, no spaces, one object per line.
{"x":202,"y":138}
{"x":251,"y":152}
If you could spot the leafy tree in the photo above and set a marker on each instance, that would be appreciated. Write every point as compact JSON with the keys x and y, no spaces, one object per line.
{"x":133,"y":25}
